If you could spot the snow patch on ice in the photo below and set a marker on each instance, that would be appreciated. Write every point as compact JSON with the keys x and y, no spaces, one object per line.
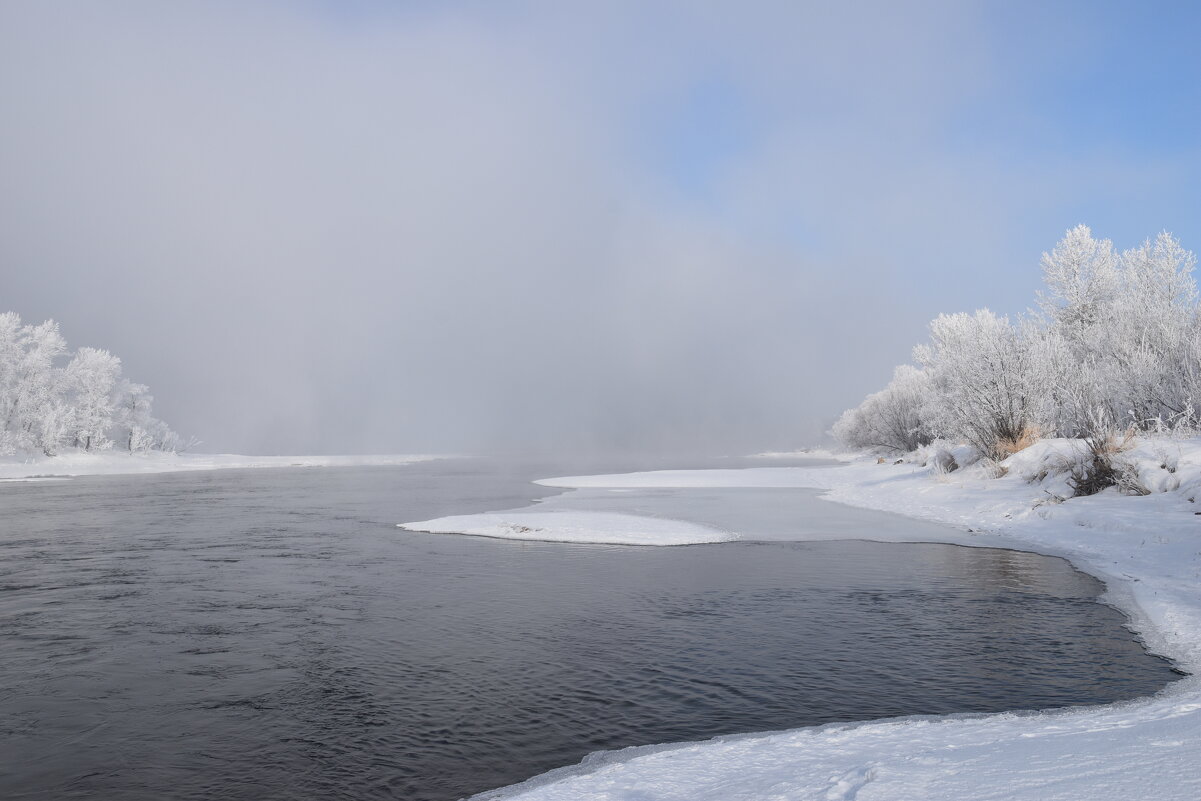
{"x":608,"y":528}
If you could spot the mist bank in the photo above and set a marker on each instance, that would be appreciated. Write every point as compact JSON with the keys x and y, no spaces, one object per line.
{"x":354,"y":227}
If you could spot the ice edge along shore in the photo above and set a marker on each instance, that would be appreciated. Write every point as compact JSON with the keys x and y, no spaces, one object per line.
{"x":1146,"y":549}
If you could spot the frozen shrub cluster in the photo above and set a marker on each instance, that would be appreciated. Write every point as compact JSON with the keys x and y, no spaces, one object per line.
{"x":944,"y":457}
{"x":1113,"y":346}
{"x":51,"y":399}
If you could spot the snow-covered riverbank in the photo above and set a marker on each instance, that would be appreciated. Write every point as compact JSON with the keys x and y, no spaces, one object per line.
{"x":80,"y":463}
{"x":1148,"y":550}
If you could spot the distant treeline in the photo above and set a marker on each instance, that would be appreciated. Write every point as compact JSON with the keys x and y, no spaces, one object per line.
{"x":51,"y":399}
{"x":1115,"y":344}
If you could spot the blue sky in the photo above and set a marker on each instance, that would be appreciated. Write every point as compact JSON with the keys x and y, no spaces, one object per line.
{"x":1091,"y":108}
{"x":331,"y":226}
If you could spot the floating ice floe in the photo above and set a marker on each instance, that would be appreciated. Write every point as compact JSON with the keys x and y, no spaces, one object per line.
{"x":609,"y":528}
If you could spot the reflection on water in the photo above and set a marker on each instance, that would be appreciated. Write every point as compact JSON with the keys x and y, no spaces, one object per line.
{"x":270,"y":634}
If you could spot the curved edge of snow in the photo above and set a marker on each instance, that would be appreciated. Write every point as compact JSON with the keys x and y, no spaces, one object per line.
{"x":841,"y":731}
{"x":598,"y":528}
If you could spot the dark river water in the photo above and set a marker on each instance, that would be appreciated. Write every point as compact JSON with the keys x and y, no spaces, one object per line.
{"x":270,"y":634}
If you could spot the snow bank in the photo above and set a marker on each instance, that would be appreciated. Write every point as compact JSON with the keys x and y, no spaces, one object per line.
{"x":81,"y":463}
{"x":1147,"y":548}
{"x":608,"y":528}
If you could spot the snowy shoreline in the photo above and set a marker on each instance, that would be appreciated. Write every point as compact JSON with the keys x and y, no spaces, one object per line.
{"x":109,"y":463}
{"x":1146,"y":549}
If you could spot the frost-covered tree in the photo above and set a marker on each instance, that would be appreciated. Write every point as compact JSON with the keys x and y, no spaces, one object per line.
{"x":984,"y":379}
{"x":55,"y":426}
{"x":91,"y":378}
{"x":137,"y":429}
{"x":12,"y":355}
{"x":46,"y":405}
{"x":1116,"y":345}
{"x":1082,"y":282}
{"x":37,"y":415}
{"x":1158,"y":277}
{"x":1147,"y":355}
{"x":890,"y":419}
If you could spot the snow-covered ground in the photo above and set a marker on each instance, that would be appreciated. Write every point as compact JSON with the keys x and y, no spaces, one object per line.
{"x":80,"y":463}
{"x":1148,"y":550}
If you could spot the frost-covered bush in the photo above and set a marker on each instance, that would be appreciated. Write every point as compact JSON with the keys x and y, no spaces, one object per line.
{"x":1128,"y":464}
{"x":943,"y":457}
{"x":891,"y":419}
{"x":46,"y":405}
{"x":1101,"y":466}
{"x":984,"y":380}
{"x":1114,"y":346}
